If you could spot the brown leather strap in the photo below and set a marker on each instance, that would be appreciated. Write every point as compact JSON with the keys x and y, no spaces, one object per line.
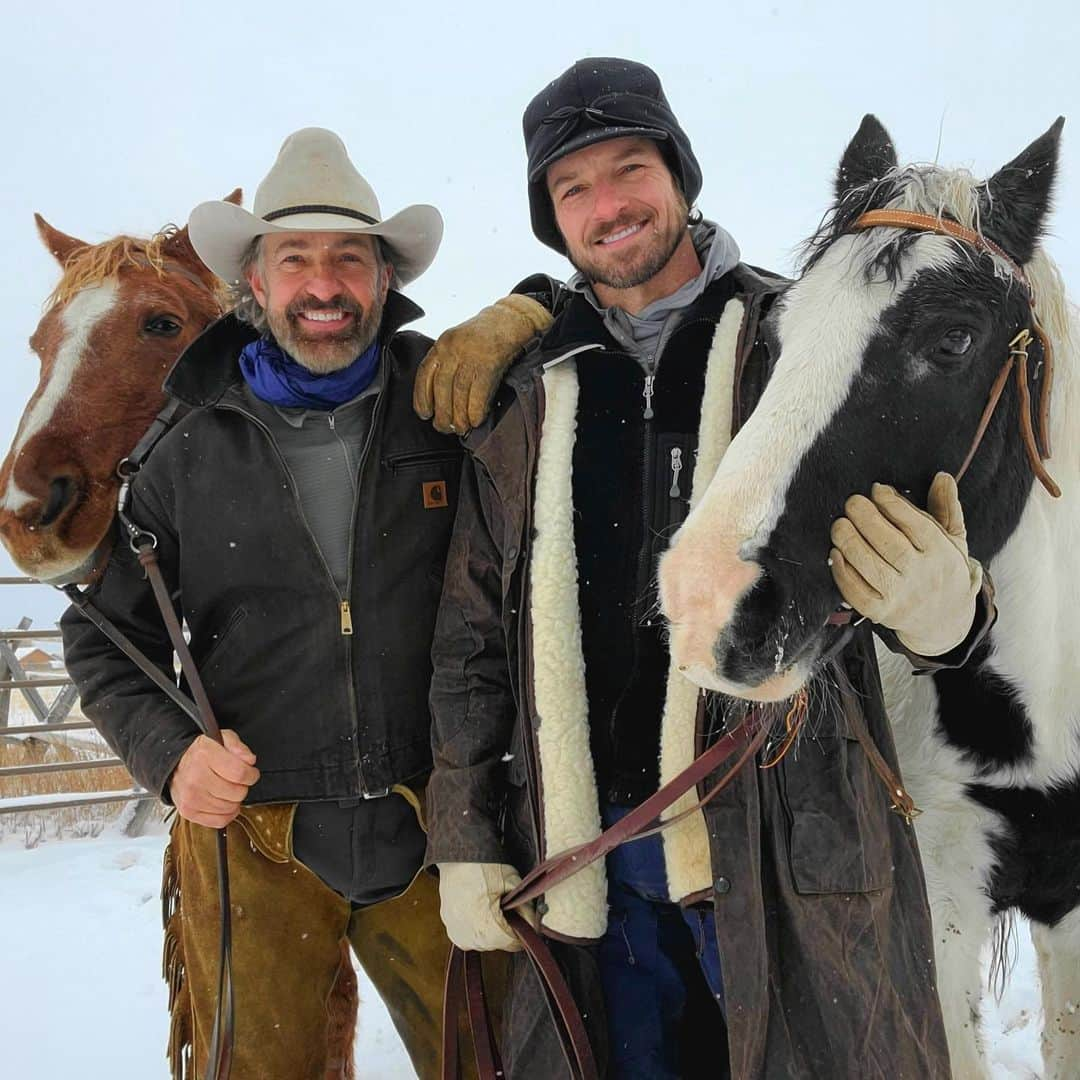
{"x":747,"y":737}
{"x":488,"y":1061}
{"x":570,"y":1026}
{"x":1027,"y":434}
{"x":219,"y":1055}
{"x":900,"y":800}
{"x":909,"y":219}
{"x":984,"y":421}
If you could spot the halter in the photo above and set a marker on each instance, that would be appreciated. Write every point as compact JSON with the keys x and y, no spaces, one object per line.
{"x":1036,"y":444}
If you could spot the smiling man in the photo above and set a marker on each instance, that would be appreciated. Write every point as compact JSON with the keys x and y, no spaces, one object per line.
{"x":793,"y":906}
{"x":302,"y":514}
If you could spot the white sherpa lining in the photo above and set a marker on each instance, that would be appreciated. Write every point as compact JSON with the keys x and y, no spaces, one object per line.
{"x":578,"y":906}
{"x":686,"y":845}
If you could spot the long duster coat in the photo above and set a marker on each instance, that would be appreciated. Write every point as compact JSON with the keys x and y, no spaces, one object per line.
{"x":817,"y":887}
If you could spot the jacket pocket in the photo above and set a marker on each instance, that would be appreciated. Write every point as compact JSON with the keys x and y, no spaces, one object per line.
{"x":407,"y":460}
{"x":218,"y":640}
{"x":838,"y":828}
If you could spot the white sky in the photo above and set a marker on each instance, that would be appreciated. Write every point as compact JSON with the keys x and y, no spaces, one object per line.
{"x":120,"y":117}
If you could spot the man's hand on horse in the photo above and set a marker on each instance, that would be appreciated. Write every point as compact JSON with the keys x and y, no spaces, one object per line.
{"x":460,"y":374}
{"x":211,"y":781}
{"x":906,"y":568}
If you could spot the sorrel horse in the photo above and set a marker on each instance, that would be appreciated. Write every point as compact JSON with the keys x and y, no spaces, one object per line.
{"x":121,"y":314}
{"x":887,"y":349}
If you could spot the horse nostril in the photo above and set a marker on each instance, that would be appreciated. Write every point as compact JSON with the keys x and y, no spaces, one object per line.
{"x":61,"y":492}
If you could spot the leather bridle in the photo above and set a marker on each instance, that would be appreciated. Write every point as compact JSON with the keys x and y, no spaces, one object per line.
{"x":1036,"y":443}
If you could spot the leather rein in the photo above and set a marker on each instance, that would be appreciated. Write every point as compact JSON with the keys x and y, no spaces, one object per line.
{"x":1036,"y":443}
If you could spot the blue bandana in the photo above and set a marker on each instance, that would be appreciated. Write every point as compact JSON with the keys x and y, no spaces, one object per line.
{"x":277,"y":378}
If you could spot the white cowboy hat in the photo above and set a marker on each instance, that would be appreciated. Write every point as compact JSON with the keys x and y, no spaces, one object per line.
{"x":314,"y":187}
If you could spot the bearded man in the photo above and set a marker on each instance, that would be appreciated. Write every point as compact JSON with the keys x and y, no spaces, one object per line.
{"x":794,"y":905}
{"x":302,"y":514}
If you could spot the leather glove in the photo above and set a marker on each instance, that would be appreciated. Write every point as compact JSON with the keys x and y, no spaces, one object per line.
{"x":908,"y":569}
{"x":463,"y":369}
{"x":469,"y":895}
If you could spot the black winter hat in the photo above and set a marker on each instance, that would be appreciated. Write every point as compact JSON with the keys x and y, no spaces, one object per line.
{"x":596,"y":99}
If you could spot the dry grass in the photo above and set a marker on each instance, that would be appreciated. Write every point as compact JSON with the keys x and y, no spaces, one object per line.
{"x":34,"y":826}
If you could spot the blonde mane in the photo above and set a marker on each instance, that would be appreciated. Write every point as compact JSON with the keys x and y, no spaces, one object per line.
{"x":95,"y":264}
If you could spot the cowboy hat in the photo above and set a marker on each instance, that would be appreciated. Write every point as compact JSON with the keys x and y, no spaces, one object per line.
{"x":314,"y":187}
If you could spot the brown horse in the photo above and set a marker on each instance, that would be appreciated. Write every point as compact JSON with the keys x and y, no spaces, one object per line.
{"x":122,"y":313}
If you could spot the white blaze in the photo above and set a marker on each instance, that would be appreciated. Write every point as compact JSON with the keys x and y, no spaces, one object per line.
{"x":82,"y":314}
{"x":824,"y":326}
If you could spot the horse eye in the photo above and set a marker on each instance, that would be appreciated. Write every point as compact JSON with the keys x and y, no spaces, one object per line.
{"x":955,"y":343}
{"x":162,"y":326}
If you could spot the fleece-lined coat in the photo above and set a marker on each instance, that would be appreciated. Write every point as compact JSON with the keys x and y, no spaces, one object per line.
{"x":819,"y":899}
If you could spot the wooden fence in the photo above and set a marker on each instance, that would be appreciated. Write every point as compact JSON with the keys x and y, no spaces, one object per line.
{"x":50,"y":718}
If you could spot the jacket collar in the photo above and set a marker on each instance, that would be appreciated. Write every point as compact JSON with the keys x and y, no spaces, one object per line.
{"x":580,"y":322}
{"x":209,"y":365}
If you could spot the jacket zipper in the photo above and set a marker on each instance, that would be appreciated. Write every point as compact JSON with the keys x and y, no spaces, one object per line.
{"x":343,"y":604}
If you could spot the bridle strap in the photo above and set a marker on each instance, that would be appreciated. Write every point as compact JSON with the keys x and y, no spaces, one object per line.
{"x":909,"y":219}
{"x":1036,"y":444}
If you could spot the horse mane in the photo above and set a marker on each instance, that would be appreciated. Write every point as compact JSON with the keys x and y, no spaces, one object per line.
{"x":97,"y":263}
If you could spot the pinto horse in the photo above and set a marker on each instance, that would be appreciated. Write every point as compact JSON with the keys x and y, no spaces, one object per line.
{"x":121,"y":314}
{"x":887,"y":348}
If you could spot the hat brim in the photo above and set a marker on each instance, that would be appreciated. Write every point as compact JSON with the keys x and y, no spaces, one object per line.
{"x":587,"y":138}
{"x":221,"y":232}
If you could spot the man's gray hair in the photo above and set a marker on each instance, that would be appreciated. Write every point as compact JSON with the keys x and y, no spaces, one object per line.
{"x":242,"y":300}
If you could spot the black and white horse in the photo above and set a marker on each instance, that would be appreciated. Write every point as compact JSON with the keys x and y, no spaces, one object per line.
{"x":888,"y":347}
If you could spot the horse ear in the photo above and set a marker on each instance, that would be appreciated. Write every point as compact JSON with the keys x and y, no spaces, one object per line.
{"x":868,"y":157}
{"x":178,"y":245}
{"x":59,"y":244}
{"x":1017,"y":197}
{"x":236,"y":197}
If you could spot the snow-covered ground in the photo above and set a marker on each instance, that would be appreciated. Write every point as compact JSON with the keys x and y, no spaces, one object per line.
{"x":80,"y":966}
{"x":81,"y":991}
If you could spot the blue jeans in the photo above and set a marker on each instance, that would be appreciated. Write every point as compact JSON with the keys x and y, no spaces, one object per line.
{"x":647,"y":960}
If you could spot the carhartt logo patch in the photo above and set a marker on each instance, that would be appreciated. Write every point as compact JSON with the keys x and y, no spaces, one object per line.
{"x":434,"y":494}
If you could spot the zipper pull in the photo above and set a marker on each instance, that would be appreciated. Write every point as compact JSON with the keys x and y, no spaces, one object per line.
{"x":676,"y":468}
{"x":330,"y":417}
{"x":647,"y":393}
{"x":346,"y":618}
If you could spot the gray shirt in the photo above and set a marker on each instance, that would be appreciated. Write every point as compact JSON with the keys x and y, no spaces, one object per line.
{"x":322,"y":450}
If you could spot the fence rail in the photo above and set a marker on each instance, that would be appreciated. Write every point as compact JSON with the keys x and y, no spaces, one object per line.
{"x":42,"y":729}
{"x":52,"y":719}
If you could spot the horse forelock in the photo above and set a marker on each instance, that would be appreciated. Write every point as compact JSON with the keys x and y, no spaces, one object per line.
{"x":948,"y":194}
{"x":97,"y":264}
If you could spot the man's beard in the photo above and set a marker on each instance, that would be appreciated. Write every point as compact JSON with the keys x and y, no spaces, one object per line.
{"x":646,"y":264}
{"x":325,"y":353}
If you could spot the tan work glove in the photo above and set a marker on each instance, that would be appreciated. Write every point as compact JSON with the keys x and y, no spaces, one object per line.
{"x":469,"y":895}
{"x":907,"y":569}
{"x":463,"y":369}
